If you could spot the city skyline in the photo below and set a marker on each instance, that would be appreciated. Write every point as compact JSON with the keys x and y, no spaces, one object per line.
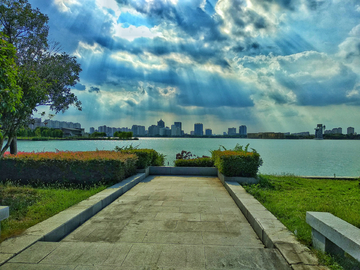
{"x":176,"y":129}
{"x":270,"y":65}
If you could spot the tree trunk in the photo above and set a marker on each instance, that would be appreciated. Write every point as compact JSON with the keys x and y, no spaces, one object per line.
{"x":13,"y":146}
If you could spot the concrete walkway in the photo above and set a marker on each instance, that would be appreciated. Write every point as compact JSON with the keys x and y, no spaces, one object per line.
{"x":165,"y":222}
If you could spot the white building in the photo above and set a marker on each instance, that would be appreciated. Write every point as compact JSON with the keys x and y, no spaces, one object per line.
{"x":175,"y":130}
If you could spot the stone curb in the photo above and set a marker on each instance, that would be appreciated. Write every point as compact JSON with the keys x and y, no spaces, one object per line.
{"x":203,"y":171}
{"x":271,"y":231}
{"x":55,"y":228}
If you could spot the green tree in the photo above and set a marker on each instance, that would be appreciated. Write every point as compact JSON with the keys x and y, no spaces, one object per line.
{"x":44,"y":75}
{"x":10,"y":91}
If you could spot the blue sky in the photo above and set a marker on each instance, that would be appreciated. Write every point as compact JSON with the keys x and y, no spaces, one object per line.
{"x":273,"y":65}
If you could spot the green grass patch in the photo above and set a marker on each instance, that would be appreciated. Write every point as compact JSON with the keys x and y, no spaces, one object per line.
{"x":289,"y":197}
{"x":29,"y":205}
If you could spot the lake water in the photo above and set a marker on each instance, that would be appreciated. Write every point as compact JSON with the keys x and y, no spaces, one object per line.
{"x":299,"y":157}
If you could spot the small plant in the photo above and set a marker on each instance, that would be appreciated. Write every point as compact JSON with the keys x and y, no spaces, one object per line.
{"x":126,"y":147}
{"x":184,"y":155}
{"x":187,"y":155}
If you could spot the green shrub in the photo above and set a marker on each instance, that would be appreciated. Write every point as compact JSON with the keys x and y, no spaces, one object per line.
{"x":195,"y":162}
{"x":146,"y":157}
{"x":85,"y":168}
{"x":237,"y":163}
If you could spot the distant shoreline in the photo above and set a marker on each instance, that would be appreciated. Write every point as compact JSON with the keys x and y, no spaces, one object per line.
{"x":76,"y":139}
{"x":172,"y":137}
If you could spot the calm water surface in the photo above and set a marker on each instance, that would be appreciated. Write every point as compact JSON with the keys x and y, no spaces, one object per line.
{"x":299,"y":157}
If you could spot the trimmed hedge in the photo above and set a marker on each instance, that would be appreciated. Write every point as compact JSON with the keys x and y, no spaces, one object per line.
{"x":86,"y":168}
{"x":195,"y":162}
{"x":237,"y":163}
{"x":146,"y":157}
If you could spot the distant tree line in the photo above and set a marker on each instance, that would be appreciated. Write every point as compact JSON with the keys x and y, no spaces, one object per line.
{"x":123,"y":135}
{"x":40,"y":132}
{"x":98,"y":134}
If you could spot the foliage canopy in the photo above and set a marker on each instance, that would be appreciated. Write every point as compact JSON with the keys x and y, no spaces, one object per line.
{"x":44,"y":75}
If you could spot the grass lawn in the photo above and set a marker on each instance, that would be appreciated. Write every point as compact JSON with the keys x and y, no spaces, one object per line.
{"x":29,"y":205}
{"x":289,"y":197}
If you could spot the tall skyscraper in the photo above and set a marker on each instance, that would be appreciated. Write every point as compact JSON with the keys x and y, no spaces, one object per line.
{"x":319,"y":131}
{"x":178,"y":124}
{"x":243,"y":130}
{"x":175,"y":131}
{"x":198,"y":129}
{"x":153,"y":130}
{"x":232,"y":131}
{"x":161,"y":123}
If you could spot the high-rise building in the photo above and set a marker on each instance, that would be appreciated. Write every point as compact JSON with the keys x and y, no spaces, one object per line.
{"x":153,"y":130}
{"x":175,"y":131}
{"x":178,"y":124}
{"x":350,"y":131}
{"x":92,"y":130}
{"x":138,"y":130}
{"x":243,"y":130}
{"x":102,"y":129}
{"x":319,"y":131}
{"x":208,"y":132}
{"x":232,"y":131}
{"x":161,"y":123}
{"x":198,"y":129}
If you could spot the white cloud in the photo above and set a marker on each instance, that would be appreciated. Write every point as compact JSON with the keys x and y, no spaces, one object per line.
{"x":355,"y":32}
{"x":109,"y":4}
{"x":65,"y":5}
{"x":133,"y":32}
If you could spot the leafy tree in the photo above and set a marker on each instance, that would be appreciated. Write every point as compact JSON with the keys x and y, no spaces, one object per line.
{"x":44,"y":75}
{"x":10,"y":92}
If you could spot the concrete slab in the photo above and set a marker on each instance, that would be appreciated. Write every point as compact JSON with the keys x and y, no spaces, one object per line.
{"x":196,"y":226}
{"x":164,"y":223}
{"x":35,"y":253}
{"x":245,"y":238}
{"x":18,"y":244}
{"x":224,"y":257}
{"x":21,"y":266}
{"x":179,"y":237}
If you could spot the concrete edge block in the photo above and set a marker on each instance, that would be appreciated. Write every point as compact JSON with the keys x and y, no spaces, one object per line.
{"x":165,"y":170}
{"x":4,"y":212}
{"x":296,"y":253}
{"x":155,"y":170}
{"x":269,"y":229}
{"x":242,"y":180}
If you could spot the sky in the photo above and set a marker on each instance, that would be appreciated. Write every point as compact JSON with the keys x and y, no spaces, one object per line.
{"x":272,"y":65}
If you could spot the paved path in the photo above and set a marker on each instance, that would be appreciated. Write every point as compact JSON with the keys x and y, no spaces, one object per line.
{"x":165,"y":222}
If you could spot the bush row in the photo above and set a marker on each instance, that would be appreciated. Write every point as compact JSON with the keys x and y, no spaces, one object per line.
{"x":85,"y":168}
{"x":146,"y":157}
{"x":237,"y":163}
{"x":195,"y":162}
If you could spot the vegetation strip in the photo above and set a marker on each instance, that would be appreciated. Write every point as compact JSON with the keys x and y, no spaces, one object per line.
{"x":289,"y":197}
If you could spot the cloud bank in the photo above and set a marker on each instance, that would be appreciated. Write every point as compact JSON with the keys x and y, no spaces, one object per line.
{"x":275,"y":65}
